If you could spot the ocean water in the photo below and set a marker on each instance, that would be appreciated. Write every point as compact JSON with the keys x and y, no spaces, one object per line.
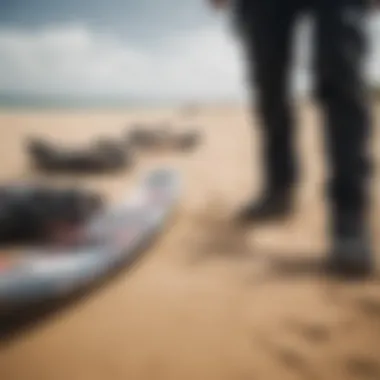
{"x":21,"y":101}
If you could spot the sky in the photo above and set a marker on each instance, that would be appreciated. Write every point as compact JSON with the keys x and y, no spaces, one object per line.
{"x":145,"y":49}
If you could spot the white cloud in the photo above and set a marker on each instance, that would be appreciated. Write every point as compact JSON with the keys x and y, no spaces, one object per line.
{"x":374,"y":61}
{"x":74,"y":60}
{"x":304,"y":54}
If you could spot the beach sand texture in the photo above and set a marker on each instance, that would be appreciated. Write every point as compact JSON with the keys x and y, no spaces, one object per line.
{"x":207,"y":301}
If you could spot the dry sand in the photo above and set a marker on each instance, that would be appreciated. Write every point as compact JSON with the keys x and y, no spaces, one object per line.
{"x":206,"y":302}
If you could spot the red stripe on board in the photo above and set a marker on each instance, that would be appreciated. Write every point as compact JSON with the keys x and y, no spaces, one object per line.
{"x":5,"y":263}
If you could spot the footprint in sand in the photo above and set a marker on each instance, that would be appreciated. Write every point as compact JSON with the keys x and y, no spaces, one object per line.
{"x":294,"y":361}
{"x":370,"y":306}
{"x":290,"y":357}
{"x":362,"y":368}
{"x":312,"y":332}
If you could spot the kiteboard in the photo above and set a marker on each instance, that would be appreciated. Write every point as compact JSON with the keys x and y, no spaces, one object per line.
{"x":109,"y":240}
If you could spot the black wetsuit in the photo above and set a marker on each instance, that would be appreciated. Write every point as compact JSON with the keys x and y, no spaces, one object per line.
{"x":339,"y":49}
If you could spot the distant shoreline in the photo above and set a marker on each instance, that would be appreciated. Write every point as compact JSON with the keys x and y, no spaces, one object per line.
{"x":55,"y":107}
{"x":64,"y":104}
{"x":31,"y":103}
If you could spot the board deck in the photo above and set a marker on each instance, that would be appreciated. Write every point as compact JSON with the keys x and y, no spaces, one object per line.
{"x":109,"y":240}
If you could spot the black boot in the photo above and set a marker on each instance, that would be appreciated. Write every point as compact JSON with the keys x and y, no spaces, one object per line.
{"x":270,"y":206}
{"x":351,"y":254}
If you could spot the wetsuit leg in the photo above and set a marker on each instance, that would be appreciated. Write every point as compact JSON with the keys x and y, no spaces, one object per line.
{"x":266,"y":30}
{"x":341,"y":88}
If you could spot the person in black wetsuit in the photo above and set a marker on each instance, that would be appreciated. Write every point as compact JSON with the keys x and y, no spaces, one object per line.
{"x":340,"y":42}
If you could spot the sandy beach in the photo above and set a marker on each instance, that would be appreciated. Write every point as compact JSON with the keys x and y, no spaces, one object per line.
{"x":206,"y":302}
